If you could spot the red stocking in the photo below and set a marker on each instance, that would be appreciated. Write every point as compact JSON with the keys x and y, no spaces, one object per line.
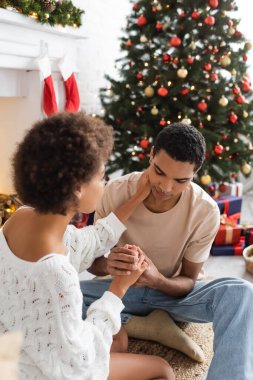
{"x":49,"y":98}
{"x":72,"y":94}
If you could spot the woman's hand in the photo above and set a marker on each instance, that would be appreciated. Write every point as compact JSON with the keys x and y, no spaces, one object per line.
{"x":143,"y":185}
{"x":121,"y":283}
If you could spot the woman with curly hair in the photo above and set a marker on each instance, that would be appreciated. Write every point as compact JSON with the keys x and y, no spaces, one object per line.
{"x":58,"y":170}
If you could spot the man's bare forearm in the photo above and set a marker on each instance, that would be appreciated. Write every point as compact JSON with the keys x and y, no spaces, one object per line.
{"x":176,"y":287}
{"x":99,"y":267}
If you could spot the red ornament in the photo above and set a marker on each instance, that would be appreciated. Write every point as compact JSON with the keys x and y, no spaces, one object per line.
{"x":154,"y":9}
{"x":238,"y":34}
{"x":213,"y":3}
{"x":233,"y":118}
{"x":162,"y":91}
{"x":230,"y":23}
{"x":223,"y":187}
{"x":211,"y":188}
{"x":214,"y":76}
{"x":225,"y":137}
{"x":159,"y":26}
{"x":185,"y":91}
{"x":207,"y":66}
{"x":175,"y":41}
{"x":240,"y":99}
{"x":139,"y":109}
{"x":195,"y":15}
{"x":202,"y":106}
{"x":142,"y":21}
{"x":176,"y":61}
{"x":144,"y":143}
{"x":129,"y":43}
{"x":246,"y":87}
{"x":245,"y":57}
{"x":234,"y":175}
{"x":218,"y":149}
{"x":182,"y":14}
{"x":209,"y":20}
{"x":201,"y":125}
{"x":139,"y":76}
{"x":162,"y":123}
{"x":141,"y":156}
{"x":166,"y":57}
{"x":190,"y":60}
{"x":236,"y":90}
{"x":136,"y":7}
{"x":215,"y":50}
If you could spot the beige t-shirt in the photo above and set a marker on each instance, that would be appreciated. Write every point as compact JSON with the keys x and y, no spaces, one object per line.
{"x":187,"y":230}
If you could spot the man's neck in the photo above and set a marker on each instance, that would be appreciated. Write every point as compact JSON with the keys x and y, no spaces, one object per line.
{"x":159,"y":206}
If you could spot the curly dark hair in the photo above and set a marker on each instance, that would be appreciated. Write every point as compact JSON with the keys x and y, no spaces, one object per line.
{"x":56,"y":156}
{"x":182,"y":142}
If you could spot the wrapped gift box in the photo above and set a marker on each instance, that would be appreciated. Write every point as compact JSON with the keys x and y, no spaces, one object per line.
{"x":229,"y":204}
{"x":228,"y":235}
{"x":229,"y":249}
{"x":248,"y":236}
{"x":235,"y":189}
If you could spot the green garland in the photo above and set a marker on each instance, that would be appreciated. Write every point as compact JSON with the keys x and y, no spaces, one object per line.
{"x":53,"y":12}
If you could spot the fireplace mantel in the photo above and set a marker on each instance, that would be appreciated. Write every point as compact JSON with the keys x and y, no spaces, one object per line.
{"x":22,"y":40}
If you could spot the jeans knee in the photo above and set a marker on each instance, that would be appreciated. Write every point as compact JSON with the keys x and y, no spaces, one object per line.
{"x":241,"y":293}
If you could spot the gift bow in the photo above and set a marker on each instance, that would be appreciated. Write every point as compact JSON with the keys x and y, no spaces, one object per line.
{"x":230,"y":220}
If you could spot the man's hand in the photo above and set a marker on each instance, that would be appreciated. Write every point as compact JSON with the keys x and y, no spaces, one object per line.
{"x":122,"y":260}
{"x":151,"y":275}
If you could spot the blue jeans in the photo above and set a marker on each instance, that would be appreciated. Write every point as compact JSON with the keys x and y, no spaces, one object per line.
{"x":227,"y":302}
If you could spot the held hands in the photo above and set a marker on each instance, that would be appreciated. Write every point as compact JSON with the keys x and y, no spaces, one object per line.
{"x":150,"y":277}
{"x":124,"y":278}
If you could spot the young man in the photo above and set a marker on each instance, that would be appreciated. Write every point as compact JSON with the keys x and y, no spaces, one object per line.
{"x":175,"y":227}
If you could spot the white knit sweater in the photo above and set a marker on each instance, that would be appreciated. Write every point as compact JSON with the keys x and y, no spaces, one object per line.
{"x":44,"y":300}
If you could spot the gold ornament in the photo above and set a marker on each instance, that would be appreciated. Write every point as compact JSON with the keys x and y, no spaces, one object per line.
{"x":182,"y":73}
{"x":186,"y":120}
{"x":192,"y":45}
{"x":149,"y":92}
{"x":248,"y":45}
{"x":231,"y":31}
{"x":246,"y":169}
{"x":205,"y":179}
{"x":154,"y":111}
{"x":223,"y":101}
{"x":225,"y":61}
{"x":223,"y":43}
{"x":245,"y":114}
{"x":209,"y":118}
{"x":159,"y":7}
{"x":143,"y":39}
{"x":233,"y":72}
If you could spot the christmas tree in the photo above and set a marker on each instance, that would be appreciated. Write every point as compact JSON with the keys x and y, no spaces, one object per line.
{"x":184,"y":60}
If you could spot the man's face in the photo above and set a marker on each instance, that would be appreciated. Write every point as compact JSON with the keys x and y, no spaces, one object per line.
{"x":168,"y":178}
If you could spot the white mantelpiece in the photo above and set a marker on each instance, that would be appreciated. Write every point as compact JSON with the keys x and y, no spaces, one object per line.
{"x":22,"y":40}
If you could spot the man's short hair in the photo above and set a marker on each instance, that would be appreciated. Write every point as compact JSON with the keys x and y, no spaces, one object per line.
{"x":182,"y":142}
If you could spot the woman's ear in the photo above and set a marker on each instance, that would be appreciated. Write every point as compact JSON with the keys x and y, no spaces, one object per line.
{"x":79,"y":192}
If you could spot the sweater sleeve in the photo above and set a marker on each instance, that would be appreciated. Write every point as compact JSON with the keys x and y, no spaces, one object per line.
{"x":76,"y":349}
{"x":88,"y":243}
